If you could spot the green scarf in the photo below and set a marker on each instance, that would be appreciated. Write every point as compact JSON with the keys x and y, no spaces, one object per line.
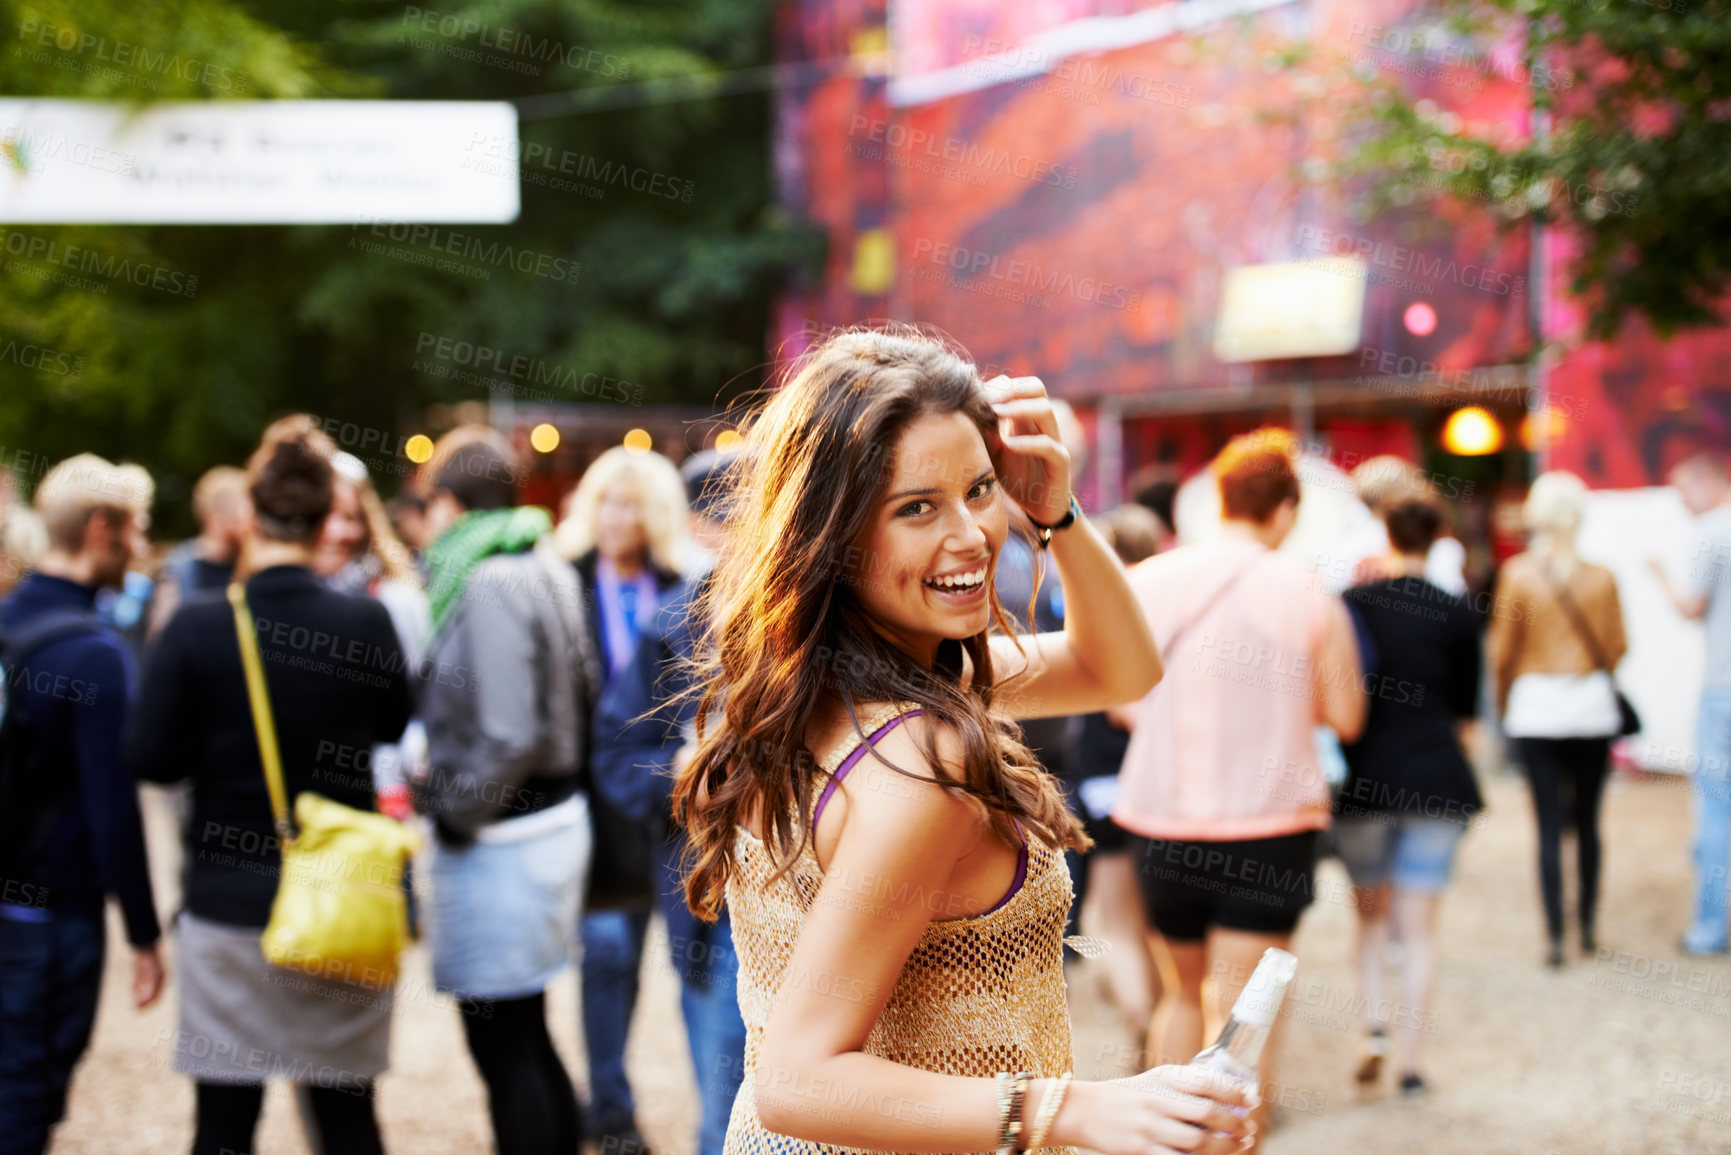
{"x":471,"y":540}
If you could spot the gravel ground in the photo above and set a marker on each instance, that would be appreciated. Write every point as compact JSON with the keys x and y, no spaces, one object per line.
{"x":1627,"y":1051}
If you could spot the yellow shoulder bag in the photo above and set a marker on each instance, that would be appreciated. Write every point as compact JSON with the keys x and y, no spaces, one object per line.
{"x":339,"y":911}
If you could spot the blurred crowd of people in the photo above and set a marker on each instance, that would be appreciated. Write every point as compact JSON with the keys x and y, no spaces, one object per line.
{"x":442,"y":660}
{"x":516,"y":685}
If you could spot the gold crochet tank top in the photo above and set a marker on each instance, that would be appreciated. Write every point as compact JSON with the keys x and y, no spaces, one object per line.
{"x":977,"y":996}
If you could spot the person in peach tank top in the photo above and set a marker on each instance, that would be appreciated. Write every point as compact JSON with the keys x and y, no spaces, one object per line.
{"x":858,"y":793}
{"x":1221,"y":789}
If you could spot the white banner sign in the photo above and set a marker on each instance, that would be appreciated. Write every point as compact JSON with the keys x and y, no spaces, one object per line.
{"x":255,"y":162}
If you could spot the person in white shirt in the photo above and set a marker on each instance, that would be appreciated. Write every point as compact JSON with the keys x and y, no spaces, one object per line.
{"x":1381,"y":482}
{"x":1705,"y":490}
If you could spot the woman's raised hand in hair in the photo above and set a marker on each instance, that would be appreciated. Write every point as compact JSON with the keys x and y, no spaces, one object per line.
{"x":1033,"y":465}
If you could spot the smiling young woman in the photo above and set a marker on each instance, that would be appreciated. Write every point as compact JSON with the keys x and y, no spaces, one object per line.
{"x":859,"y":797}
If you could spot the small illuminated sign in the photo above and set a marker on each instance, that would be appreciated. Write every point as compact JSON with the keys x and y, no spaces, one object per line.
{"x":1312,"y":308}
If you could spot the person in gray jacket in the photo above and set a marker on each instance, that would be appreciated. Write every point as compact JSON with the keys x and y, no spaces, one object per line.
{"x":507,"y":688}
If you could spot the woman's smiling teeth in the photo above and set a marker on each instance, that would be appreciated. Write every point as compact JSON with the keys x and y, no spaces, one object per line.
{"x":959,"y":582}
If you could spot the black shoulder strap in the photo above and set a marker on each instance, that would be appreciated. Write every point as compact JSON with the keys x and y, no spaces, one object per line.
{"x":1576,"y":620}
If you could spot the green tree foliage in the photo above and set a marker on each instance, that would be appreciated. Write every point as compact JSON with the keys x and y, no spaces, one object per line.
{"x":1636,"y":161}
{"x":654,"y":270}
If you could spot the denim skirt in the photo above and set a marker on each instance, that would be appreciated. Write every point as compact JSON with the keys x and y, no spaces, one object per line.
{"x":503,"y":916}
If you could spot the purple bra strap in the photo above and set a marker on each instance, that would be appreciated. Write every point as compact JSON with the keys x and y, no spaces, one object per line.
{"x":848,"y":762}
{"x":1021,"y":871}
{"x":859,"y":751}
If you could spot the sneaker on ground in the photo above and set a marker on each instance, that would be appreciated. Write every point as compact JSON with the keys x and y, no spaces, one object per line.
{"x":1371,"y":1053}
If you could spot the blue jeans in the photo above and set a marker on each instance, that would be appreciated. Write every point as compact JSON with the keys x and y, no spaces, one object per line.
{"x":1412,"y":851}
{"x":612,"y":954}
{"x":50,"y":975}
{"x":1708,"y":932}
{"x":709,"y":998}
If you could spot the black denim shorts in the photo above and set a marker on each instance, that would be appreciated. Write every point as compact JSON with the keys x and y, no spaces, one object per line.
{"x":1258,"y":885}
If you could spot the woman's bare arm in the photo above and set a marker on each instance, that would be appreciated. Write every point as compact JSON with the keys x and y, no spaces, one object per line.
{"x":1504,"y":638}
{"x":889,"y":875}
{"x":1105,"y":654}
{"x":1343,"y":704}
{"x":1616,"y":643}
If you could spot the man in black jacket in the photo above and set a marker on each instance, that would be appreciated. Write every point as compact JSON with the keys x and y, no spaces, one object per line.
{"x":71,"y":830}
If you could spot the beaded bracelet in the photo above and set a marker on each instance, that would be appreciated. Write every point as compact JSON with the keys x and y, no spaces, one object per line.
{"x":1001,"y":1094}
{"x":1010,"y":1110}
{"x":1048,"y":1112}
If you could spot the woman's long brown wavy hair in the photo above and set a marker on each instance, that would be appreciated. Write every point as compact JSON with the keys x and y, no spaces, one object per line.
{"x":788,"y":632}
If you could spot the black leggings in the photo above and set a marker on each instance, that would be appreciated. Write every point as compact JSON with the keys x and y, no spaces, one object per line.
{"x":529,"y":1093}
{"x":1567,"y":776}
{"x":228,"y":1116}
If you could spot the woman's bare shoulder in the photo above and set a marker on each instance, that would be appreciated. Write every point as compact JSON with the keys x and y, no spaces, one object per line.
{"x":904,"y":750}
{"x":1602,"y":577}
{"x":896,"y":787}
{"x":1517,"y":574}
{"x":835,"y":728}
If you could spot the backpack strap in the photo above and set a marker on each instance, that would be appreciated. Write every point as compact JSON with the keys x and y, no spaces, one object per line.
{"x":46,"y":629}
{"x":22,"y":820}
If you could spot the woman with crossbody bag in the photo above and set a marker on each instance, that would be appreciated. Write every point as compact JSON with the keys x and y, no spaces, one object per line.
{"x":1556,"y":634}
{"x":334,"y":685}
{"x":1221,"y":788}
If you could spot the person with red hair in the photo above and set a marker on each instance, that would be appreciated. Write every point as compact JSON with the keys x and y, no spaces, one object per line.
{"x":1221,"y":790}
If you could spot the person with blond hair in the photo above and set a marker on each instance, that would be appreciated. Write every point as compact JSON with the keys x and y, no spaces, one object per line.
{"x":22,"y":538}
{"x":624,"y":530}
{"x":642,"y":725}
{"x":207,"y":562}
{"x":70,"y":829}
{"x":1555,"y":639}
{"x":1224,"y":813}
{"x":23,"y":541}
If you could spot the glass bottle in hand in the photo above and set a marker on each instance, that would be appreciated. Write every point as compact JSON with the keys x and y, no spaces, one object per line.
{"x":1238,"y":1050}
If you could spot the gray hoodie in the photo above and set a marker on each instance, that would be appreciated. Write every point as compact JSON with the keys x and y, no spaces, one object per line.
{"x":507,"y":690}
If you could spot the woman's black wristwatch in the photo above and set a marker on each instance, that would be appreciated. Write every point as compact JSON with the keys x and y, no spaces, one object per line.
{"x":1046,"y":531}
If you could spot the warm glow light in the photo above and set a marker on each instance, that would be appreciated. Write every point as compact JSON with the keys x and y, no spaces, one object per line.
{"x":874,"y":263}
{"x":1472,"y":432}
{"x":1420,"y":319}
{"x":639,"y":441}
{"x":544,"y":437}
{"x":418,"y":448}
{"x":728,"y":438}
{"x":1541,"y":428}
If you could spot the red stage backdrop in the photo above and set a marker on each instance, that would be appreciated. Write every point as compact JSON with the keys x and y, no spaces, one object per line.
{"x":1062,"y":185}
